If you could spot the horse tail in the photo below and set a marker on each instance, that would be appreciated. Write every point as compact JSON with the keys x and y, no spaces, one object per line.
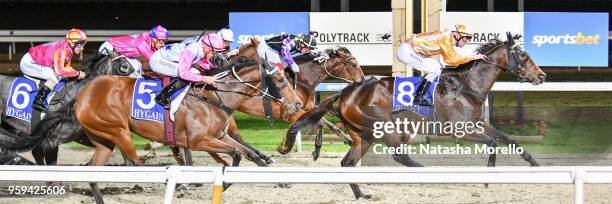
{"x":42,"y":131}
{"x":13,"y":139}
{"x":309,"y":119}
{"x":11,"y":158}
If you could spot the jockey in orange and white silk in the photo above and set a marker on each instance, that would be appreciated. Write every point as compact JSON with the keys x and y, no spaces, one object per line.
{"x":417,"y":52}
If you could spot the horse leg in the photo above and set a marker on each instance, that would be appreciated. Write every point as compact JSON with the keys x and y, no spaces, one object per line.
{"x":214,"y":146}
{"x":235,"y":134}
{"x":250,"y":155}
{"x":101,"y":155}
{"x":484,"y":139}
{"x":126,"y":145}
{"x":352,"y":157}
{"x":496,"y":134}
{"x":394,"y":140}
{"x":176,"y":152}
{"x":218,"y":159}
{"x":51,"y":156}
{"x":330,"y":126}
{"x":38,"y":155}
{"x":318,"y":142}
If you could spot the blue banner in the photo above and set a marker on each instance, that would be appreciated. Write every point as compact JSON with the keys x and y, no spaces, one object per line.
{"x":567,"y":39}
{"x":265,"y":25}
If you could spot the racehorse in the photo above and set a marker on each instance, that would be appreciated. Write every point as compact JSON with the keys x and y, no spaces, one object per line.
{"x":201,"y":120}
{"x":459,"y":96}
{"x":338,"y":63}
{"x":60,"y":126}
{"x":15,"y":134}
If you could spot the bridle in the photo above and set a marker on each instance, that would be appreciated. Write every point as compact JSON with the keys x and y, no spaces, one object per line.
{"x":265,"y":73}
{"x":346,"y":62}
{"x":516,"y":64}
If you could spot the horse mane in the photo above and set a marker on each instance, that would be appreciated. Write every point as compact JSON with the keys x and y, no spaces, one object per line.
{"x":89,"y":65}
{"x":236,"y":61}
{"x":482,"y":49}
{"x":331,"y":52}
{"x":489,"y":46}
{"x":254,"y":43}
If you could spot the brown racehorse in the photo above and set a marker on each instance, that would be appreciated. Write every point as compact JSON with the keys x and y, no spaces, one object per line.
{"x":103,"y":110}
{"x":337,"y":63}
{"x":370,"y":100}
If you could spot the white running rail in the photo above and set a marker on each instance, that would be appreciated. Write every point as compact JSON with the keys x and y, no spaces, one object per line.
{"x":577,"y":175}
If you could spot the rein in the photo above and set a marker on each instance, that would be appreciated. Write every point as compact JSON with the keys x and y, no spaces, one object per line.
{"x":516,"y":67}
{"x":229,"y":110}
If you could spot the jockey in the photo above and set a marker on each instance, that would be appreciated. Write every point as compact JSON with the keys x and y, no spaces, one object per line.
{"x":417,"y":51}
{"x":51,"y":62}
{"x":176,"y":59}
{"x":286,"y":46}
{"x":138,"y":45}
{"x":226,"y":35}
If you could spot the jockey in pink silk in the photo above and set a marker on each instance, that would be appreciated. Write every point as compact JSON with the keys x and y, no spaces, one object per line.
{"x":51,"y":62}
{"x":175,"y":60}
{"x":138,"y":45}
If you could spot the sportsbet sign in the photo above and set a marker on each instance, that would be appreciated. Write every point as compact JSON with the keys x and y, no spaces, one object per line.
{"x":567,"y":39}
{"x":550,"y":38}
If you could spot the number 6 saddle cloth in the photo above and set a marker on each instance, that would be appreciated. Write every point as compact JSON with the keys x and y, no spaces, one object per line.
{"x":404,"y":95}
{"x":22,"y":94}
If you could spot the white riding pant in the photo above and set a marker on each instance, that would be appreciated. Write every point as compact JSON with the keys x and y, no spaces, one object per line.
{"x":30,"y":68}
{"x":408,"y":56}
{"x":270,"y":55}
{"x":134,"y":62}
{"x":165,"y":67}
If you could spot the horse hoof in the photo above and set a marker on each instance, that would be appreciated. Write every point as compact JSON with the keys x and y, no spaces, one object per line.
{"x":284,"y":185}
{"x":270,"y":161}
{"x":226,"y":186}
{"x":315,"y":155}
{"x":366,"y":196}
{"x":181,"y":187}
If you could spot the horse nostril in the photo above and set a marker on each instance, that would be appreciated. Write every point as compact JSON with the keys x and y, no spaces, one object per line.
{"x":299,"y":106}
{"x":542,"y":77}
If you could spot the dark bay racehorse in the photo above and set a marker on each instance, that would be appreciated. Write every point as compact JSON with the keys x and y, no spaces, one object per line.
{"x":459,"y":96}
{"x":15,"y":133}
{"x":103,"y":109}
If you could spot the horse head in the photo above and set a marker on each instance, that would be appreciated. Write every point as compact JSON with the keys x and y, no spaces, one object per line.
{"x":267,"y":80}
{"x":339,"y":63}
{"x":111,"y":64}
{"x":512,"y":58}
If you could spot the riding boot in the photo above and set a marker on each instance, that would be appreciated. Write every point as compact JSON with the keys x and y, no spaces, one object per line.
{"x":164,"y":97}
{"x":39,"y":101}
{"x":421,"y":91}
